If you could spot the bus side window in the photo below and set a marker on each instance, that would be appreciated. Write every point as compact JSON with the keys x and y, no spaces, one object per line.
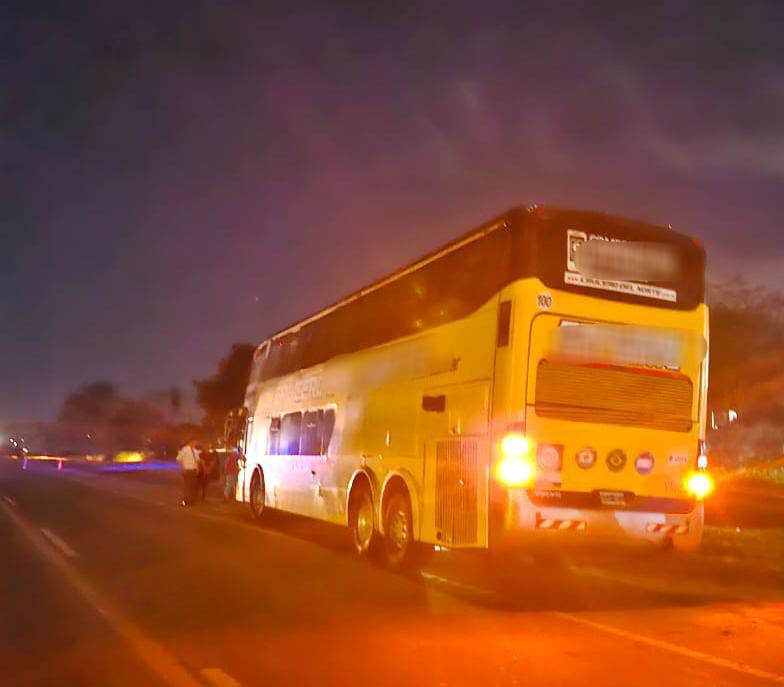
{"x":289,"y":434}
{"x":310,"y":441}
{"x":327,"y":426}
{"x":274,"y":437}
{"x":504,"y":323}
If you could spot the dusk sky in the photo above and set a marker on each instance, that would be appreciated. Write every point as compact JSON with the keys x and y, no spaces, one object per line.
{"x":181,"y":175}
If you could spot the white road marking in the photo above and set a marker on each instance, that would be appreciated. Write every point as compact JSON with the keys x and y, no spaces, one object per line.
{"x":58,"y":543}
{"x":457,"y":585}
{"x":152,"y":654}
{"x":672,"y":648}
{"x":217,"y":678}
{"x":9,"y":500}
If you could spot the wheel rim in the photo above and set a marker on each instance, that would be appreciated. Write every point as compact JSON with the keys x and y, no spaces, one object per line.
{"x":398,"y":533}
{"x":257,"y":496}
{"x":364,"y":524}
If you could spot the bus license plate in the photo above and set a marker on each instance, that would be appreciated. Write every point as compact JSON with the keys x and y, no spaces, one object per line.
{"x":612,"y":498}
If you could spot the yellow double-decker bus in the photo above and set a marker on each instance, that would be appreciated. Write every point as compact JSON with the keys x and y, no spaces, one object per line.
{"x":542,"y":378}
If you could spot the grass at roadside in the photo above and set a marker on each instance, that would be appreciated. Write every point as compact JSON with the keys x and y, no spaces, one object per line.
{"x":751,"y":549}
{"x":767,"y":470}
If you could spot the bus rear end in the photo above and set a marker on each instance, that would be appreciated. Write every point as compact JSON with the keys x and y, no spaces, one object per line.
{"x":610,"y":417}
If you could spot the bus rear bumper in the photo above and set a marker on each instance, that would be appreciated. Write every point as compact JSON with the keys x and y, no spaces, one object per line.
{"x":527,"y":523}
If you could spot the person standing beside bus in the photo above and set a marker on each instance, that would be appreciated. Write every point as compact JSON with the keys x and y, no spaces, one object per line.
{"x":230,"y":473}
{"x":188,"y":458}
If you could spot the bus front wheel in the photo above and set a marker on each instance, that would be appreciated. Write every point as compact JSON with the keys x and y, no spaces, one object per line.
{"x":256,"y":496}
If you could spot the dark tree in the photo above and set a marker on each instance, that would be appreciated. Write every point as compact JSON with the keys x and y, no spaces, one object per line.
{"x":94,"y":404}
{"x":110,"y":419}
{"x":747,"y":355}
{"x":225,"y":390}
{"x":175,"y":401}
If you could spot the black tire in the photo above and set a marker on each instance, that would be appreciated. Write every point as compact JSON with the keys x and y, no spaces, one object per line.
{"x":365,"y":539}
{"x":402,"y":553}
{"x":256,"y":495}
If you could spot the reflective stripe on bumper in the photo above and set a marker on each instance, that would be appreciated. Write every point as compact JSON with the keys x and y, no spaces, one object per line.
{"x":556,"y":524}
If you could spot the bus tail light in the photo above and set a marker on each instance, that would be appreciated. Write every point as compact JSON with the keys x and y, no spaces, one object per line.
{"x":699,"y":484}
{"x":515,"y":467}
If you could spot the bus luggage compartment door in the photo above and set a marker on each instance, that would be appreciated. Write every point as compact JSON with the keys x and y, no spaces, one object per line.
{"x":457,"y":491}
{"x":456,"y":465}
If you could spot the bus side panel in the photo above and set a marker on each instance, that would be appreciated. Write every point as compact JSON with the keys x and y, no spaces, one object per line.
{"x":508,"y":392}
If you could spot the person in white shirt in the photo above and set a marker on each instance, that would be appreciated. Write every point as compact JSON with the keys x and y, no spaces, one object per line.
{"x":188,"y":458}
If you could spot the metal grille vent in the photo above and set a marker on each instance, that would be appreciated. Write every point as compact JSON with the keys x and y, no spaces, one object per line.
{"x":457,"y":463}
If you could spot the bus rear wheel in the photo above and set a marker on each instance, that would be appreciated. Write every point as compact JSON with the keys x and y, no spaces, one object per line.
{"x":401,"y":551}
{"x":362,"y":523}
{"x":257,"y":496}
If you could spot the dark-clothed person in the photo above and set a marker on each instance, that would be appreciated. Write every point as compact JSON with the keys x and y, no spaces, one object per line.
{"x":208,"y":471}
{"x":230,"y":471}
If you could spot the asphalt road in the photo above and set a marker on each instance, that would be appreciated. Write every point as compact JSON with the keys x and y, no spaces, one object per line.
{"x":105,"y":580}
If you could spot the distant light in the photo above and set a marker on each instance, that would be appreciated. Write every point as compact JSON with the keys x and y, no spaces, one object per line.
{"x":732,"y":415}
{"x":129,"y":457}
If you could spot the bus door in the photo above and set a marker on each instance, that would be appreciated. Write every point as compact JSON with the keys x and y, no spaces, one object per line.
{"x":314,"y":481}
{"x":288,"y":478}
